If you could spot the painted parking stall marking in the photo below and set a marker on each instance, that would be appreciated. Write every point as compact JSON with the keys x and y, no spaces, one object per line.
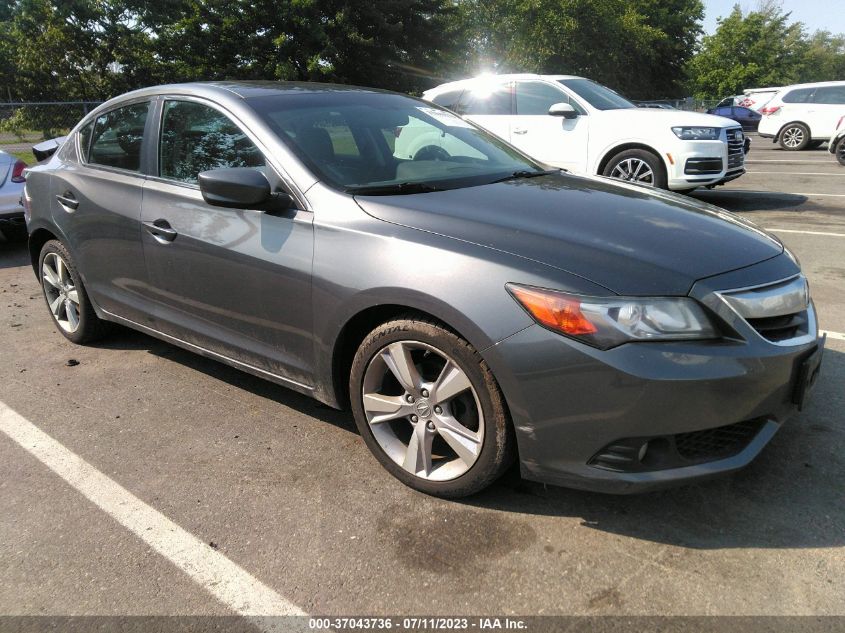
{"x":222,"y":578}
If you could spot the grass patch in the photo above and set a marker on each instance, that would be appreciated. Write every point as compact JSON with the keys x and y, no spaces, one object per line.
{"x":25,"y":155}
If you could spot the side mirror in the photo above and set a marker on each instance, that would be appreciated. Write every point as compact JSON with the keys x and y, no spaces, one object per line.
{"x":241,"y":188}
{"x":563,"y":109}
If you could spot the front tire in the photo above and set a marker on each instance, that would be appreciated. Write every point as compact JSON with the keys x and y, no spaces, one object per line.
{"x":637,"y":165}
{"x":429,"y":408}
{"x":66,"y":297}
{"x":839,"y":151}
{"x":794,"y":137}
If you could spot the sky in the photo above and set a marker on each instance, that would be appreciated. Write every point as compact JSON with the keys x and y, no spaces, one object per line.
{"x":815,"y":14}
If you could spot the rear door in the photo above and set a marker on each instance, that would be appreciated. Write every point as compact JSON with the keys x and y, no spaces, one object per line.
{"x":828,"y":105}
{"x":234,"y":282}
{"x":96,"y":202}
{"x":551,"y":139}
{"x":490,"y":106}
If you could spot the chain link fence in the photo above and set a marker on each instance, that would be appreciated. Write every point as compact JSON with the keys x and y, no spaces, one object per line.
{"x":26,"y":123}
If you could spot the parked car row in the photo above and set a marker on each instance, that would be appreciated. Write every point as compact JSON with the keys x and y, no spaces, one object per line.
{"x":471,"y":305}
{"x":584,"y":127}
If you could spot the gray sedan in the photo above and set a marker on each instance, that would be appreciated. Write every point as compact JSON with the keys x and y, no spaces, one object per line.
{"x":468,"y":305}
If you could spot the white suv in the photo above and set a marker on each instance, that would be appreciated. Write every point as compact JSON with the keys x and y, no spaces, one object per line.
{"x":803,"y":116}
{"x":577,"y":124}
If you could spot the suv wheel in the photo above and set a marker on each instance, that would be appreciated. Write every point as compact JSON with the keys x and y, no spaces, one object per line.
{"x":795,"y":137}
{"x":66,"y":298}
{"x":429,"y":409}
{"x":637,"y":165}
{"x":840,"y":151}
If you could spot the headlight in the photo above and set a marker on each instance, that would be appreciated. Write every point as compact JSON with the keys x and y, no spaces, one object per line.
{"x":606,"y":322}
{"x":697,"y":133}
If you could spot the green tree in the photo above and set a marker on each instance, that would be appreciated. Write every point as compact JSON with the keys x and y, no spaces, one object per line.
{"x":761,"y":48}
{"x":824,"y":58}
{"x":639,"y":47}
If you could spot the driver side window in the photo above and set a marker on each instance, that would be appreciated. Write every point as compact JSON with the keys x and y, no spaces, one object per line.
{"x":118,"y":136}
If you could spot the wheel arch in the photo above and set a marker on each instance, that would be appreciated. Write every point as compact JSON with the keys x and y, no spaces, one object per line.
{"x":786,"y":125}
{"x":624,"y":147}
{"x":356,"y":329}
{"x":37,"y":239}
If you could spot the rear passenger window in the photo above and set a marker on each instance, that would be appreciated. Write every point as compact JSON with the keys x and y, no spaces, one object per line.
{"x":118,"y":136}
{"x":449,"y":99}
{"x":801,"y":95}
{"x":830,"y":94}
{"x":483,"y":101}
{"x":195,"y":138}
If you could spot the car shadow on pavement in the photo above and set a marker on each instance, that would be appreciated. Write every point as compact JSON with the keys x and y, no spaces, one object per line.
{"x":791,"y":496}
{"x":127,"y":339}
{"x":737,"y":200}
{"x":13,"y":253}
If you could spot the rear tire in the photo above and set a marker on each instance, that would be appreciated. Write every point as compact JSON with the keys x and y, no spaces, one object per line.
{"x":794,"y":137}
{"x":639,"y":166}
{"x":429,"y":408}
{"x":66,"y":297}
{"x":839,"y":151}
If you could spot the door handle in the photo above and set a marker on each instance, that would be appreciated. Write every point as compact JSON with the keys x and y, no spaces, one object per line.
{"x":68,"y":200}
{"x":161,"y":230}
{"x":520,"y":130}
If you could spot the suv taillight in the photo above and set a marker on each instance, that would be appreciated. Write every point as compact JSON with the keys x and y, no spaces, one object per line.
{"x":766,"y":110}
{"x":17,"y":171}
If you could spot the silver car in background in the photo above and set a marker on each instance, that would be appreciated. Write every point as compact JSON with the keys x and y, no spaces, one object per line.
{"x":11,"y":189}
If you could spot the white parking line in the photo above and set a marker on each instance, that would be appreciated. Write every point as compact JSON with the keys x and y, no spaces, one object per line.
{"x":790,"y":160}
{"x":798,"y":173}
{"x":806,"y":232}
{"x":839,"y":336}
{"x":780,"y":193}
{"x":222,"y":578}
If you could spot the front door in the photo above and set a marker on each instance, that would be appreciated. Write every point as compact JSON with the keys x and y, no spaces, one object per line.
{"x":232,"y":281}
{"x":554,"y":140}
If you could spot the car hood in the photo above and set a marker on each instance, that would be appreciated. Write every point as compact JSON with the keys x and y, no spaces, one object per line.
{"x":629,"y":239}
{"x":671,"y":117}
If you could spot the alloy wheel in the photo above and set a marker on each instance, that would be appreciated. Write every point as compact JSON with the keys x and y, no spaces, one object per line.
{"x":61,"y":292}
{"x":423,"y":410}
{"x":633,"y":169}
{"x":793,"y":137}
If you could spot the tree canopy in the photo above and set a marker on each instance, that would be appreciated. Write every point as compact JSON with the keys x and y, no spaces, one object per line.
{"x":95,"y":49}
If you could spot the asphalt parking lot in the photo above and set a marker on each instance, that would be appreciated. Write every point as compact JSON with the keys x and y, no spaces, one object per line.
{"x":284,"y":492}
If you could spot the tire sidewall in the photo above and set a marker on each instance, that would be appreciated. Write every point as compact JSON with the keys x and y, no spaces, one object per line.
{"x":85,"y":310}
{"x":650,"y":158}
{"x":497,"y":440}
{"x":803,"y":145}
{"x":839,"y":151}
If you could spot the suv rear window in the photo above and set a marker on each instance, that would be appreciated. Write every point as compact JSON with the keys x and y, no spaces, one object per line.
{"x":485,"y":101}
{"x":800,"y":95}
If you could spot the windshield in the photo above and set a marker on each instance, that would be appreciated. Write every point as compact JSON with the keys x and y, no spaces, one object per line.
{"x":378,"y":142}
{"x":596,"y":95}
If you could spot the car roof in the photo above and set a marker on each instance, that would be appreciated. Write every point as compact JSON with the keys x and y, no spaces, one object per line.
{"x":246,"y":89}
{"x":464,"y":83}
{"x":817,"y":84}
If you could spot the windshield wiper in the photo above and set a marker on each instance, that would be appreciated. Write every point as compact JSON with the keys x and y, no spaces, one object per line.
{"x":517,"y":175}
{"x":397,"y":189}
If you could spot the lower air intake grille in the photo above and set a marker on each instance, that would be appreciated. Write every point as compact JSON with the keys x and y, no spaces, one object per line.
{"x":723,"y":441}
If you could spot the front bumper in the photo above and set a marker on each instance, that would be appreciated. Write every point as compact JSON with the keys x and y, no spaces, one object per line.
{"x":704,"y":163}
{"x":569,"y":402}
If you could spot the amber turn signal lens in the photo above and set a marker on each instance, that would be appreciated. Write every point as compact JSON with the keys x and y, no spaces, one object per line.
{"x":554,"y":310}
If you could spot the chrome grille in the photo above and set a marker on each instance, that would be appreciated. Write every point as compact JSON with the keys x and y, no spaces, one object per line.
{"x":779,"y":312}
{"x":736,"y":147}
